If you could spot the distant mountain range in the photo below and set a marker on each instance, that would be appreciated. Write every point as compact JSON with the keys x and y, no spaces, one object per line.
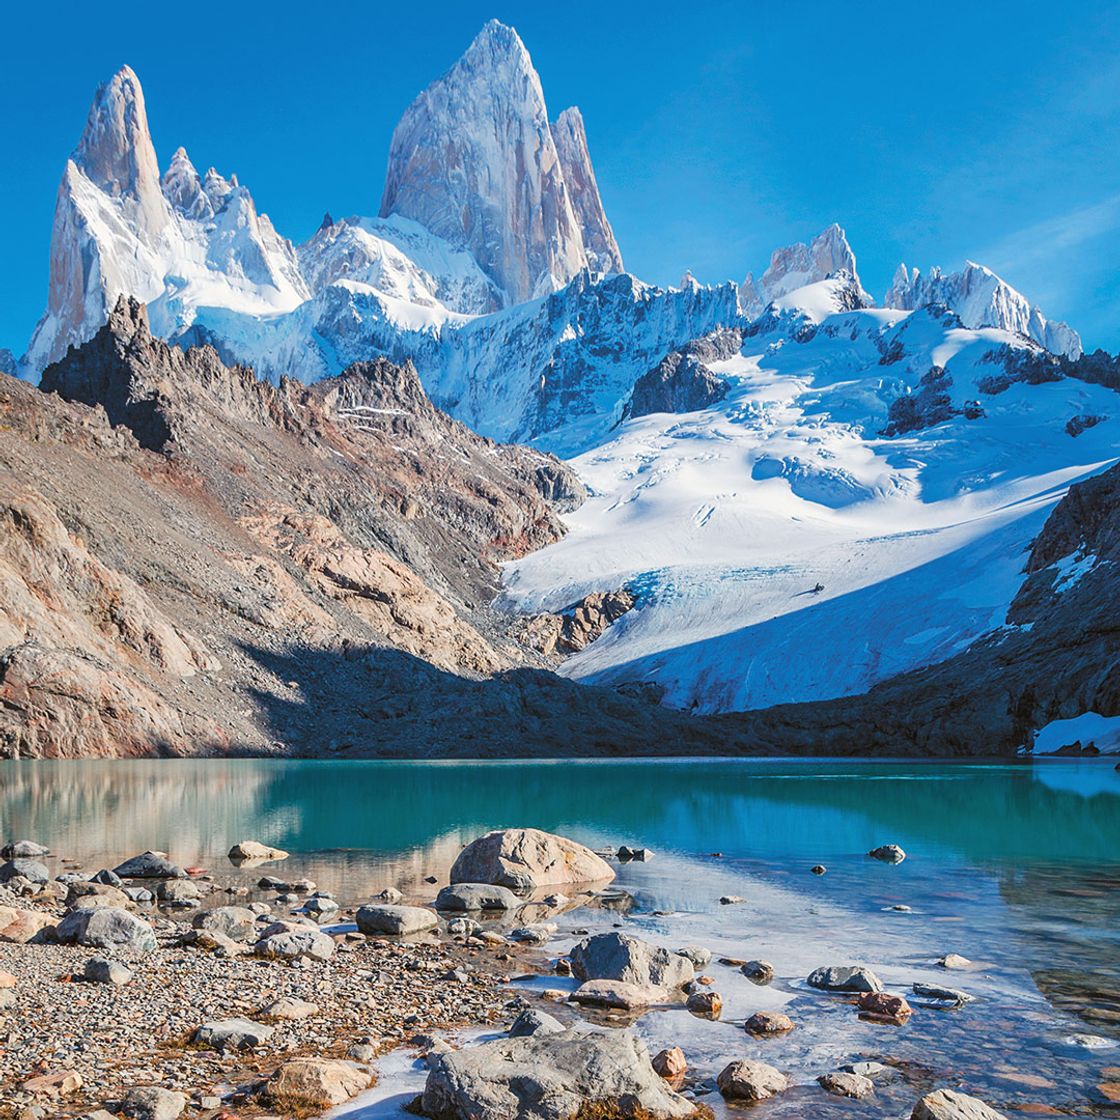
{"x":794,"y":494}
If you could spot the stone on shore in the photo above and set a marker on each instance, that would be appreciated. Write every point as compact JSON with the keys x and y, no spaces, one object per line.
{"x":101,"y":970}
{"x":477,"y":896}
{"x":235,"y":922}
{"x":617,"y":994}
{"x":149,"y":865}
{"x":29,"y":869}
{"x":533,"y":1021}
{"x":747,"y":1080}
{"x":178,"y":892}
{"x":618,"y":956}
{"x":24,"y":849}
{"x":18,"y":927}
{"x":252,"y":851}
{"x":90,"y":894}
{"x":887,"y":853}
{"x":315,"y":1083}
{"x":56,"y":1083}
{"x":944,"y":1104}
{"x":288,"y":1007}
{"x":550,"y":1077}
{"x":525,"y":858}
{"x":150,"y":1102}
{"x":846,"y":1085}
{"x":293,"y":943}
{"x":106,"y":927}
{"x":841,"y":978}
{"x":232,"y":1034}
{"x":398,"y":921}
{"x":769,"y":1022}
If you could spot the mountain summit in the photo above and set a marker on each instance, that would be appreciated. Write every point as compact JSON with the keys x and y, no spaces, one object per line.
{"x":475,"y":161}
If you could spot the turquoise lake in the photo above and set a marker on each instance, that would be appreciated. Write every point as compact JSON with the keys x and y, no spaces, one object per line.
{"x":1014,"y":865}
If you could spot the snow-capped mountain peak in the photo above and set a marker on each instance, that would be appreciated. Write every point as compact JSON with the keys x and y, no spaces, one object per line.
{"x":474,"y":160}
{"x":799,"y":266}
{"x":981,"y":299}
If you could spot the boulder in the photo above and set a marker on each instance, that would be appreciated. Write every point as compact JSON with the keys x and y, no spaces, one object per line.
{"x":846,"y":1085}
{"x":769,"y":1022}
{"x":670,"y":1064}
{"x":178,"y":892}
{"x":524,"y":858}
{"x":840,"y":978}
{"x":320,"y":908}
{"x":618,"y":956}
{"x":149,"y":865}
{"x":24,"y":849}
{"x":532,"y":1021}
{"x":697,"y":954}
{"x":887,"y":853}
{"x":21,"y":926}
{"x":758,"y":972}
{"x":107,"y":927}
{"x":549,"y":1077}
{"x":884,"y":1007}
{"x":477,"y":896}
{"x":235,"y":922}
{"x":747,"y":1080}
{"x":706,"y":1005}
{"x":252,"y":850}
{"x":295,"y":943}
{"x":318,"y":1083}
{"x":108,"y":878}
{"x":152,"y":1103}
{"x":288,"y":1007}
{"x":232,"y":1034}
{"x":944,"y":1104}
{"x":618,"y":994}
{"x":31,"y":870}
{"x":100,"y":970}
{"x":395,"y":920}
{"x":390,"y":895}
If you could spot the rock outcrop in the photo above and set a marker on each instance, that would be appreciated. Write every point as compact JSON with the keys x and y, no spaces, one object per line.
{"x":678,"y":383}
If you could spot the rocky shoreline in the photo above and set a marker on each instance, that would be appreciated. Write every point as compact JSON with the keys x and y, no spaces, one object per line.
{"x":154,"y":992}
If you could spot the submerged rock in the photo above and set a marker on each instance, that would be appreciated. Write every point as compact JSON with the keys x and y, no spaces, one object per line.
{"x":846,"y":1085}
{"x":758,"y":972}
{"x":769,"y":1022}
{"x":884,"y":1007}
{"x":551,"y":1077}
{"x":944,"y":1104}
{"x":524,"y":858}
{"x":705,"y":1005}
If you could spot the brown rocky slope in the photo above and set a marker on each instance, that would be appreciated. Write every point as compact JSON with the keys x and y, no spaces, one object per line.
{"x":193,"y":561}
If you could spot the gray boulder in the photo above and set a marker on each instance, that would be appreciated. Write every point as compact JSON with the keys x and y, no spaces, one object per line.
{"x":551,"y":1077}
{"x":944,"y":1104}
{"x":235,"y":922}
{"x":149,"y":865}
{"x":152,"y":1103}
{"x":396,"y":920}
{"x":618,"y":956}
{"x":887,"y":853}
{"x":617,"y":994}
{"x":747,"y":1080}
{"x":178,"y":892}
{"x":108,"y":878}
{"x":29,"y":869}
{"x":524,"y":858}
{"x":232,"y":1034}
{"x":948,"y":996}
{"x":106,"y":927}
{"x":477,"y":896}
{"x":697,"y":954}
{"x":850,"y":978}
{"x":100,"y":970}
{"x":295,"y":943}
{"x":532,"y":1021}
{"x":95,"y":894}
{"x":24,"y":849}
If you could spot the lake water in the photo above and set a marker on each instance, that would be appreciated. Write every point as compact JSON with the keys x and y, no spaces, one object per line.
{"x":1015,"y":866}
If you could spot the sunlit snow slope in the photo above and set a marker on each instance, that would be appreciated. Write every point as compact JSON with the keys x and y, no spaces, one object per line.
{"x":725,"y":520}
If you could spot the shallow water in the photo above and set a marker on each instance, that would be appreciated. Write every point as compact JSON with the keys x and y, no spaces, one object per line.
{"x":1016,"y":866}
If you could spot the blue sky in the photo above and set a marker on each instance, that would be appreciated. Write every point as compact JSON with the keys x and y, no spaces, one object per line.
{"x":719,"y":131}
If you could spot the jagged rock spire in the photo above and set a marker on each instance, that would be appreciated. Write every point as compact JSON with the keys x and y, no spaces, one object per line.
{"x":474,"y":160}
